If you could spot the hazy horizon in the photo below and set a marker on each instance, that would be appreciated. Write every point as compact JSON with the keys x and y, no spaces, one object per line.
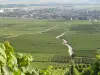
{"x":46,"y":1}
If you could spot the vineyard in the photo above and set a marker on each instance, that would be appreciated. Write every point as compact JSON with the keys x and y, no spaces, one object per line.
{"x":49,"y":37}
{"x":38,"y":51}
{"x":12,"y":63}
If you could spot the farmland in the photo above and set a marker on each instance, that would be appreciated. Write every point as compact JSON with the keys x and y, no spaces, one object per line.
{"x":38,"y":38}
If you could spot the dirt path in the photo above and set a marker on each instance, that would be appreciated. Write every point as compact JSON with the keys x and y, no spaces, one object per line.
{"x":60,"y":35}
{"x":97,"y":29}
{"x":70,"y":49}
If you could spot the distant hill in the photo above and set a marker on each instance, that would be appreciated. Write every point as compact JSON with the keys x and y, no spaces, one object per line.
{"x":45,"y":4}
{"x":24,"y":5}
{"x":94,"y":1}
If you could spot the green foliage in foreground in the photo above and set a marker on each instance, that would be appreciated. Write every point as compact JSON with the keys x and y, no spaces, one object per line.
{"x":12,"y":63}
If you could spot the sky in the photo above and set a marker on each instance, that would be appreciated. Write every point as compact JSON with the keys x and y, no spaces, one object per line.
{"x":45,"y":1}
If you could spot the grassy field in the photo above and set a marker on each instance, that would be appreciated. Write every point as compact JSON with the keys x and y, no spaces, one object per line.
{"x":38,"y":37}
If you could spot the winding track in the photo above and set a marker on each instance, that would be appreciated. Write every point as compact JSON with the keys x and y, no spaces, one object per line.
{"x":70,"y":49}
{"x":97,"y":29}
{"x":60,"y":35}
